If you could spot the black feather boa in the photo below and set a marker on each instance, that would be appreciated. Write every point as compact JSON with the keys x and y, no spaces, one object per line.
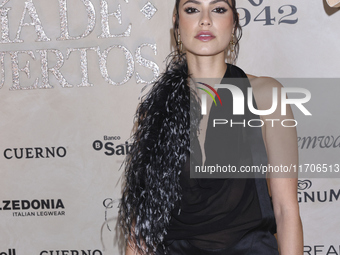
{"x":153,"y":166}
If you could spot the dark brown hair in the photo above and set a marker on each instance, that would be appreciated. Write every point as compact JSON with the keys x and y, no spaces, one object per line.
{"x":238,"y":28}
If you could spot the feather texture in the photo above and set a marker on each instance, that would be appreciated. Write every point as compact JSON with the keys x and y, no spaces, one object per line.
{"x":157,"y":155}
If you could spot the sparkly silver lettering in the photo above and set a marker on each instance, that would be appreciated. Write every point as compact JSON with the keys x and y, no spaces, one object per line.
{"x":105,"y":21}
{"x":91,"y":21}
{"x":147,"y":63}
{"x":30,"y":8}
{"x":3,"y":3}
{"x":16,"y":70}
{"x":103,"y":64}
{"x":54,"y":70}
{"x":83,"y":64}
{"x":4,"y":26}
{"x":2,"y":68}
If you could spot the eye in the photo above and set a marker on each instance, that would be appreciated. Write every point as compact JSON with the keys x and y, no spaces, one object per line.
{"x":190,"y":10}
{"x":220,"y":10}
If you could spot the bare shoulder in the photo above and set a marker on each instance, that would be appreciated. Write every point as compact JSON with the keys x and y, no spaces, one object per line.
{"x":263,"y":82}
{"x":263,"y":89}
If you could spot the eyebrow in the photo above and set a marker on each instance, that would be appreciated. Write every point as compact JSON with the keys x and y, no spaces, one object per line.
{"x":197,"y":2}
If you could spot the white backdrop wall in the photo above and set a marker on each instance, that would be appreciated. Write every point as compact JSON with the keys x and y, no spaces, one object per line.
{"x":71,"y":74}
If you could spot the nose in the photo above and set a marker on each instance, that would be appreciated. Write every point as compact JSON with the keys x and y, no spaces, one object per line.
{"x":205,"y":19}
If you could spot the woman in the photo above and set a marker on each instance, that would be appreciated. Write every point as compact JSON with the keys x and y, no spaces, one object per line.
{"x":164,"y":211}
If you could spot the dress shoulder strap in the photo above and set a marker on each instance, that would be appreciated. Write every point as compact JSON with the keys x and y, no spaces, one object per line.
{"x":235,"y":71}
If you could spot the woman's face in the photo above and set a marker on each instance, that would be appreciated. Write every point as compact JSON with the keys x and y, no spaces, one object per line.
{"x":205,"y":26}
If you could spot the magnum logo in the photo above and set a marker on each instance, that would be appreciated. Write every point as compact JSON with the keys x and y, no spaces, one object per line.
{"x":305,"y":184}
{"x":305,"y":195}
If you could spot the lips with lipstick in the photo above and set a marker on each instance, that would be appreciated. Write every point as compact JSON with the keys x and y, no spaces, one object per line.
{"x":205,"y":36}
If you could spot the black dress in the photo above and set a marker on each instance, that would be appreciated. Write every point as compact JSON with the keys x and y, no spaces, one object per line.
{"x":231,"y":216}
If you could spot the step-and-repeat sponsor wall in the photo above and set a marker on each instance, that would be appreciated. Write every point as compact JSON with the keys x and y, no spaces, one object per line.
{"x":71,"y":73}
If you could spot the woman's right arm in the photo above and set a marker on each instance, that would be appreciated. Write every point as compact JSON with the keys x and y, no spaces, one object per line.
{"x":130,"y":245}
{"x":129,"y":250}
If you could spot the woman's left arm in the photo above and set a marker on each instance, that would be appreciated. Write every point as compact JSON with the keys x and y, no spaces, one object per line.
{"x":282,"y":151}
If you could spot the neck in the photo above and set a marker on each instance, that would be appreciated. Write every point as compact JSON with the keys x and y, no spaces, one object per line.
{"x":206,"y":66}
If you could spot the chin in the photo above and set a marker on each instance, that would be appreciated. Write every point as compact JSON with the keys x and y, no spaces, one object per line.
{"x":206,"y":52}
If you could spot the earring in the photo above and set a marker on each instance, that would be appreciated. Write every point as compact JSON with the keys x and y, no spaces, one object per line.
{"x":232,"y":43}
{"x":179,"y":43}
